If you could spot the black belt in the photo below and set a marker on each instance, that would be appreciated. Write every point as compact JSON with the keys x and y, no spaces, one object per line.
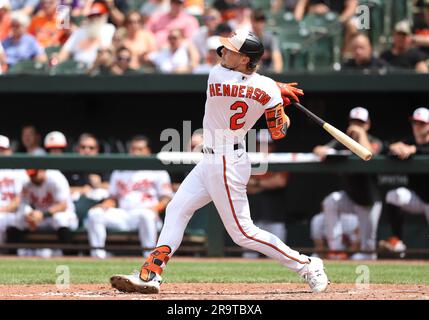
{"x":210,"y":150}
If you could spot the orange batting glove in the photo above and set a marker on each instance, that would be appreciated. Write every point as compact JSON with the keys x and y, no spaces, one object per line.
{"x":288,"y":92}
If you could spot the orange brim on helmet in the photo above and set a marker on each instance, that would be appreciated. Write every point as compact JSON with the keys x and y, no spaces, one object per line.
{"x":226,"y":42}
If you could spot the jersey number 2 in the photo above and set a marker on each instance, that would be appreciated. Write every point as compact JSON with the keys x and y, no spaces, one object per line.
{"x":233,"y":121}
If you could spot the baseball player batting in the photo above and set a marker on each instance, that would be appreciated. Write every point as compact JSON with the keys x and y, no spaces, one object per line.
{"x":237,"y":97}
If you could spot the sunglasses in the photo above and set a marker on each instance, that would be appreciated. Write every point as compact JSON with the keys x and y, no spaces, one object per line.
{"x":83,"y":147}
{"x":124,"y":59}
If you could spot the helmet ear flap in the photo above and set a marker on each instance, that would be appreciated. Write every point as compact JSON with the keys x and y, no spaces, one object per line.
{"x":219,"y":51}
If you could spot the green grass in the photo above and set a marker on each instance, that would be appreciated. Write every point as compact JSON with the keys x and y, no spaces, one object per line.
{"x":19,"y":271}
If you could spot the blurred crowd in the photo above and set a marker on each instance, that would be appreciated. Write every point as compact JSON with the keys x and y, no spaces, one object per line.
{"x":134,"y":200}
{"x":180,"y":36}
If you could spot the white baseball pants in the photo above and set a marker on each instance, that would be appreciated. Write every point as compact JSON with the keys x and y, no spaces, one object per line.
{"x":339,"y":202}
{"x":99,"y":220}
{"x":348,"y":225}
{"x":222,"y":178}
{"x":66,"y":219}
{"x":408,"y":201}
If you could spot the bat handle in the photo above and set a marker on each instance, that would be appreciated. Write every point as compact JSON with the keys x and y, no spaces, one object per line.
{"x":310,"y":114}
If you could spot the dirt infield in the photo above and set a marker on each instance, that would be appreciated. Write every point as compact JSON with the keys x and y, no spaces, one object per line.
{"x":218,"y":291}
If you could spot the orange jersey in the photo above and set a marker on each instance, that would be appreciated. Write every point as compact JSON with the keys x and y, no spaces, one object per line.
{"x":45,"y":30}
{"x":5,"y":23}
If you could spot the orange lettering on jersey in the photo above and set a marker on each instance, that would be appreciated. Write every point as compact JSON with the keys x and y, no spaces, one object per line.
{"x":264,"y":98}
{"x":241,"y":91}
{"x":249,"y":92}
{"x":234,"y":90}
{"x":217,"y":86}
{"x":256,"y":94}
{"x":212,"y":90}
{"x":226,"y":90}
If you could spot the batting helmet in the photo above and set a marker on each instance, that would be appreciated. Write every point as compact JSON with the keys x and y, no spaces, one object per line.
{"x":244,"y":42}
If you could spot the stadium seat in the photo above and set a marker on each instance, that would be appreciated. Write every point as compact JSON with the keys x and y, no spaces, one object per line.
{"x":28,"y":67}
{"x":68,"y":67}
{"x":136,"y":4}
{"x":51,"y":50}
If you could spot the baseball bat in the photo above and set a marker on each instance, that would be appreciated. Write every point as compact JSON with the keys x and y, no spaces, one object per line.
{"x":340,"y":136}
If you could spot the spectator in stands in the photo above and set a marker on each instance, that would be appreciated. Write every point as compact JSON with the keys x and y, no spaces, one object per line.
{"x":136,"y":199}
{"x":272,"y":60}
{"x":363,"y":58}
{"x":211,"y":57}
{"x":421,"y":30}
{"x":92,"y":185}
{"x":55,"y":142}
{"x":266,"y":195}
{"x":45,"y":204}
{"x":360,"y":195}
{"x":348,"y":237}
{"x":242,"y":18}
{"x":26,"y":7}
{"x":227,"y":8}
{"x":30,"y":138}
{"x":21,"y":46}
{"x":162,"y":24}
{"x":211,"y":19}
{"x":93,"y":35}
{"x":415,"y":197}
{"x":43,"y":25}
{"x":103,"y":63}
{"x":118,"y":38}
{"x":402,"y":55}
{"x":116,"y":9}
{"x":5,"y":21}
{"x":154,"y":7}
{"x":180,"y":56}
{"x":3,"y":60}
{"x":223,"y":30}
{"x":11,"y":182}
{"x":122,"y":64}
{"x":139,"y":40}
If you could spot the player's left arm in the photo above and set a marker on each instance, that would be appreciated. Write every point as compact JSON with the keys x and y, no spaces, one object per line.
{"x":277,"y":120}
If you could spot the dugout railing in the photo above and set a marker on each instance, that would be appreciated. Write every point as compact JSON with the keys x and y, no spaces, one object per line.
{"x":211,"y":241}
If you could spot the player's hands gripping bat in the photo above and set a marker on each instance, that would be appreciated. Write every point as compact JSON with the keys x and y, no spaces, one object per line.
{"x":289,"y":92}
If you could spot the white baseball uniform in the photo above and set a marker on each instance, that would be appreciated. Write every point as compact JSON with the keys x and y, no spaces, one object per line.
{"x":11,"y":182}
{"x":235,"y":101}
{"x":137,"y":193}
{"x":338,"y":202}
{"x":347,"y":225}
{"x":53,"y":190}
